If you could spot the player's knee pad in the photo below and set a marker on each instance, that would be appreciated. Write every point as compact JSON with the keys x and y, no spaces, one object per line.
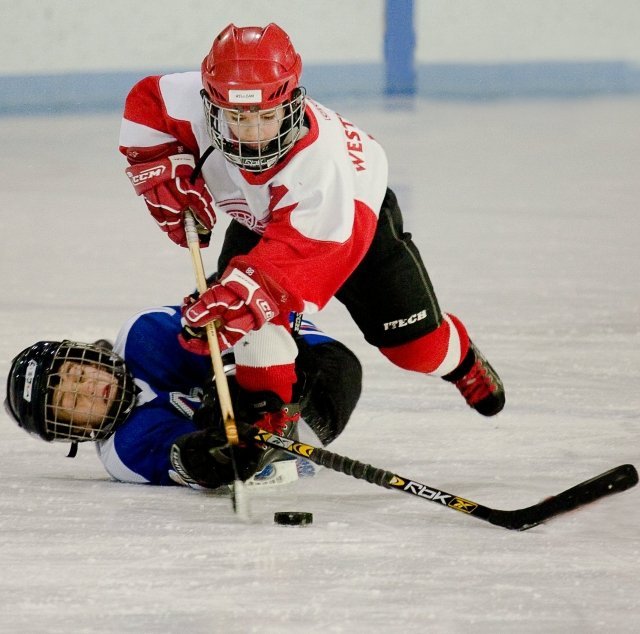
{"x":438,"y":352}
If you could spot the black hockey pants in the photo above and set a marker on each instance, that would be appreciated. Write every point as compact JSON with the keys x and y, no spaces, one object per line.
{"x":389,"y":294}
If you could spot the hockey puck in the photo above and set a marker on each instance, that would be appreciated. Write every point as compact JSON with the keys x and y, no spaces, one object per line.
{"x":292,"y":518}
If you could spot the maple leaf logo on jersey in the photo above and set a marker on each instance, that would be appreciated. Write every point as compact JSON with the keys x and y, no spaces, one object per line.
{"x":278,"y":192}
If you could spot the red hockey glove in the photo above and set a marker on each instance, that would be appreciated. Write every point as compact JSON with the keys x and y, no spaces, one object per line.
{"x":165,"y":186}
{"x":193,"y":340}
{"x":243,"y":300}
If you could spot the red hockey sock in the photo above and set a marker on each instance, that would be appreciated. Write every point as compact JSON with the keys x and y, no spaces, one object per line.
{"x":278,"y":379}
{"x":438,"y":352}
{"x":265,"y":361}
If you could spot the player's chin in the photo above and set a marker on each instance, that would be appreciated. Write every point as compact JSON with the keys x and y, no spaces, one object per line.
{"x":255,"y":147}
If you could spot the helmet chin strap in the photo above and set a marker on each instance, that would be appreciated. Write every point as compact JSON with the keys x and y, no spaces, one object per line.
{"x":73,"y":449}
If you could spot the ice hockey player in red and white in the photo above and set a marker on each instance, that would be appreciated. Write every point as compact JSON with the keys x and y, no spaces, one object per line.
{"x":313,"y":216}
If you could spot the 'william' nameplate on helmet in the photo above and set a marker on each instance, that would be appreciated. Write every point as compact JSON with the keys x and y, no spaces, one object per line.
{"x":245,"y":96}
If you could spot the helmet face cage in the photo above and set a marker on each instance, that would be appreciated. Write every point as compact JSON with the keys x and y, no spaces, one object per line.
{"x":75,"y":392}
{"x":263,"y":151}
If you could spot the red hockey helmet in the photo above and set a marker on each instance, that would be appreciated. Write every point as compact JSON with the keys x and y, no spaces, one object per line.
{"x":253,"y":70}
{"x":251,"y":66}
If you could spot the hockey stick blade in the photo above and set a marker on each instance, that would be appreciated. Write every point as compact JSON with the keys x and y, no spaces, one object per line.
{"x":617,"y":479}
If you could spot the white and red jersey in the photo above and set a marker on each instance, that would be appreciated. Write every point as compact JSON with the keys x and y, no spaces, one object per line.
{"x":317,"y":208}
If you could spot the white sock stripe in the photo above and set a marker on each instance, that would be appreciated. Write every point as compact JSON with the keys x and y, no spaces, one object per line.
{"x":271,"y":345}
{"x":452,"y":358}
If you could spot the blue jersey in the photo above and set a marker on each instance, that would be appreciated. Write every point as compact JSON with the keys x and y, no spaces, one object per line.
{"x":171,"y":380}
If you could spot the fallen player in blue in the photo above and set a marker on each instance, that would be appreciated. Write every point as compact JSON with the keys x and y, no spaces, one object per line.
{"x":151,"y":407}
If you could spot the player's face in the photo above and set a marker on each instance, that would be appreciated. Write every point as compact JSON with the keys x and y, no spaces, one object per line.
{"x":255,"y":129}
{"x":83,"y":395}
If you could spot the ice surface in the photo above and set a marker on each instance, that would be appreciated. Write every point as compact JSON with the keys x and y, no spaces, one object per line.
{"x":527,"y":214}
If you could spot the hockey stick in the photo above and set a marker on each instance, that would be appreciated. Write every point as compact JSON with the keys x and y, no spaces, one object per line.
{"x":222,"y":386}
{"x":240,"y":501}
{"x":617,"y":479}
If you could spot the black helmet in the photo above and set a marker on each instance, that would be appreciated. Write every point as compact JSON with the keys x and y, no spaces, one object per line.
{"x":32,"y":382}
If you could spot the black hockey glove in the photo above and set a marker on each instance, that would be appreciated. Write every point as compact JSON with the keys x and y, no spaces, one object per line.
{"x":209,"y":415}
{"x":249,"y":407}
{"x":202,"y":458}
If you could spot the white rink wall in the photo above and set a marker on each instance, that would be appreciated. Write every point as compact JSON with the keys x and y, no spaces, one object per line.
{"x":73,"y":55}
{"x":55,"y":36}
{"x":47,"y":36}
{"x":506,"y":31}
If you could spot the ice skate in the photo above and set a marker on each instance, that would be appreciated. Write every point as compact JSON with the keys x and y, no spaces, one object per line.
{"x":283,"y":422}
{"x":478,"y":382}
{"x":276,"y":466}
